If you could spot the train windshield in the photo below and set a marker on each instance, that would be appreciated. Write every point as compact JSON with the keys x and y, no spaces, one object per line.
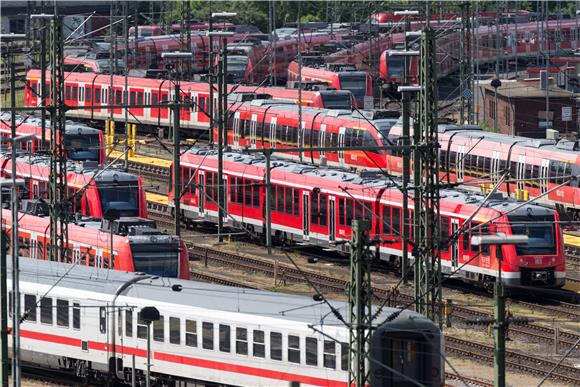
{"x":156,"y":255}
{"x":395,"y":66}
{"x":83,"y":147}
{"x":122,"y":196}
{"x":336,"y":100}
{"x":384,"y":126}
{"x":356,"y":83}
{"x":237,"y":62}
{"x":541,"y":233}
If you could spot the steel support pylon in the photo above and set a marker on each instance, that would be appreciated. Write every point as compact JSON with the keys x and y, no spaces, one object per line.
{"x":465,"y":68}
{"x":426,"y":181}
{"x":58,"y":184}
{"x":360,"y":302}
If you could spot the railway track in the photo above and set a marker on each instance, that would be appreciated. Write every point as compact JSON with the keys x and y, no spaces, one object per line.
{"x":464,"y":348}
{"x":470,"y":382}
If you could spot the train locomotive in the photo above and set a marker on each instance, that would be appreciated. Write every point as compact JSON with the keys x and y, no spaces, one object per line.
{"x":91,"y":191}
{"x":316,"y":206}
{"x":137,"y":244}
{"x":87,"y":322}
{"x":82,"y":142}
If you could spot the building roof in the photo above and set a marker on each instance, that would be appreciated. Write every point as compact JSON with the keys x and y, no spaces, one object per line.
{"x":527,"y":90}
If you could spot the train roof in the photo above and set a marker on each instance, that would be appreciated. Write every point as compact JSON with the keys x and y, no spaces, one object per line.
{"x":193,"y":294}
{"x":354,"y":182}
{"x":71,"y":127}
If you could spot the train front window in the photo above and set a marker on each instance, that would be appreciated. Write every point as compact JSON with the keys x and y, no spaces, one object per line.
{"x":541,"y":233}
{"x":237,"y":63}
{"x":396,"y":66}
{"x":83,"y":147}
{"x":355,"y":83}
{"x":122,"y":196}
{"x":155,"y":255}
{"x":336,"y":100}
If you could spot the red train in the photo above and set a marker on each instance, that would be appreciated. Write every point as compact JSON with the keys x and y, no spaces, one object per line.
{"x":536,"y":166}
{"x":359,"y":83}
{"x":82,"y":143}
{"x":137,"y":245}
{"x":84,"y":89}
{"x":317,"y":205}
{"x":91,"y":191}
{"x":248,"y":62}
{"x":274,"y":124}
{"x":523,"y":41}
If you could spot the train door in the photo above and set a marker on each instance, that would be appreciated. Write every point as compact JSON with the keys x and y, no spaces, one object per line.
{"x":322,"y":140}
{"x":201,"y":193}
{"x":253,"y":134}
{"x":331,"y":218}
{"x":521,"y":172}
{"x":455,"y":245}
{"x":495,"y":167}
{"x":341,"y":135}
{"x":544,"y":176}
{"x":300,"y":144}
{"x":273,"y":123}
{"x":306,"y":215}
{"x":224,"y":198}
{"x":236,"y":129}
{"x":460,"y":163}
{"x":184,"y":112}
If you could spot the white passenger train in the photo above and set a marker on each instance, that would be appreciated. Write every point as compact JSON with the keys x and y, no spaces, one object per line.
{"x":86,"y":321}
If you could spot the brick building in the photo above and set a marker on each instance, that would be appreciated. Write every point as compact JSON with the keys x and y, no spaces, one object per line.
{"x":521,"y":110}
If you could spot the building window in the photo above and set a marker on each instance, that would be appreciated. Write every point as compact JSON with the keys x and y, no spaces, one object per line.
{"x":507,"y":116}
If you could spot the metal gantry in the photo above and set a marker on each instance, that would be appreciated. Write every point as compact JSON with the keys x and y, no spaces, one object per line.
{"x":58,"y":184}
{"x":426,"y":183}
{"x":360,"y":305}
{"x":465,"y":67}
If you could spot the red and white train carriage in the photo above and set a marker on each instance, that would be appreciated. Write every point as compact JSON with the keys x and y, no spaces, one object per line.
{"x":91,"y":191}
{"x":94,"y":90}
{"x":317,"y":205}
{"x":137,"y":245}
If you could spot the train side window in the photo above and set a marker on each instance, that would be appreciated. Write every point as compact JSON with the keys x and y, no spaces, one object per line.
{"x":139,"y":98}
{"x":444,"y":242}
{"x":45,"y":310}
{"x":466,"y":237}
{"x":75,"y":92}
{"x":349,"y":212}
{"x":97,"y":96}
{"x":129,"y":323}
{"x":329,"y":360}
{"x":474,"y":248}
{"x":396,"y":217}
{"x":159,"y":329}
{"x":132,"y":98}
{"x":288,"y":201}
{"x":67,"y":93}
{"x":103,"y":319}
{"x":225,"y":338}
{"x":311,"y":351}
{"x":387,"y":220}
{"x":344,"y":357}
{"x":174,"y":330}
{"x":341,"y":211}
{"x":241,"y":341}
{"x":275,"y":346}
{"x":191,"y":333}
{"x":294,"y":349}
{"x":247,"y":192}
{"x":88,"y":94}
{"x":259,"y":347}
{"x":207,"y":335}
{"x":295,"y":201}
{"x":76,"y":315}
{"x":255,"y":194}
{"x":240,"y":193}
{"x":30,"y":307}
{"x":62,"y":313}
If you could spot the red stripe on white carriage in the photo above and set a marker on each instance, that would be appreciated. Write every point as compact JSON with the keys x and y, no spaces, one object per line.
{"x":187,"y":360}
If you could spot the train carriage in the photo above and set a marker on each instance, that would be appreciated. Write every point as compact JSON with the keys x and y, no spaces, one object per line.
{"x":316,"y":205}
{"x":87,"y":322}
{"x":82,"y":142}
{"x":90,"y":191}
{"x":137,"y":245}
